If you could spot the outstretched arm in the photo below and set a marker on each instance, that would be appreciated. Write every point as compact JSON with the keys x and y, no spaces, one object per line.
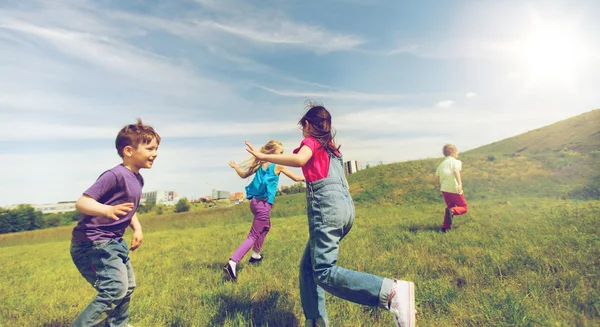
{"x":88,"y":206}
{"x":457,"y":175}
{"x":293,"y":160}
{"x":288,"y":173}
{"x":238,"y":169}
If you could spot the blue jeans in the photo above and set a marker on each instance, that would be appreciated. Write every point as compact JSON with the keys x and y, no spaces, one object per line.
{"x":106,"y":266}
{"x":330,"y":217}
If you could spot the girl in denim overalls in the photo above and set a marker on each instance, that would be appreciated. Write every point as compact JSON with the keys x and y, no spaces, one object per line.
{"x":330,"y":217}
{"x":261,"y":193}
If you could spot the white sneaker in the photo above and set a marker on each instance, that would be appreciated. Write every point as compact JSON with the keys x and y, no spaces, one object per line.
{"x":402,"y":303}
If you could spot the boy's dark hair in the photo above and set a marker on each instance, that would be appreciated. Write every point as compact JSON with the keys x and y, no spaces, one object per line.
{"x":320,"y":125}
{"x":134,"y":135}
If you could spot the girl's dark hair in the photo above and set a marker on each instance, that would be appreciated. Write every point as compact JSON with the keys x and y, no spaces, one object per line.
{"x":320,"y":125}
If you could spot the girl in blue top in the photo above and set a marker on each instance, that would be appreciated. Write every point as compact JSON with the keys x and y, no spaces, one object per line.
{"x":261,"y":193}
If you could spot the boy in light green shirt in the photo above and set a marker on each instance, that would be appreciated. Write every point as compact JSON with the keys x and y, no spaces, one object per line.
{"x":448,"y":179}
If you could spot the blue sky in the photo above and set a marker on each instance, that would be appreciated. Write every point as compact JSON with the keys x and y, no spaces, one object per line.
{"x":400,"y":79}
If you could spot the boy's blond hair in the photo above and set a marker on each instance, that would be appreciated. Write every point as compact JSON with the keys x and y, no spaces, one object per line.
{"x":449,"y":150}
{"x":134,"y":135}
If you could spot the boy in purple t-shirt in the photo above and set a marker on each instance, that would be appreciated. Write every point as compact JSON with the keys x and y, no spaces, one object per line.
{"x":108,"y":206}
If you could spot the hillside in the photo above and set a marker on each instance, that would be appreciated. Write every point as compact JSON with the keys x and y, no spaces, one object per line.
{"x":559,"y":160}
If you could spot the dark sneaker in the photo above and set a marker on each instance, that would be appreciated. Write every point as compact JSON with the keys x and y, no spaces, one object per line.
{"x":450,"y":215}
{"x":254,"y":260}
{"x":230,"y":270}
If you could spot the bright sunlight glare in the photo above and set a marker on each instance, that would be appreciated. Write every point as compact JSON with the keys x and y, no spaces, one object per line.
{"x":552,"y":52}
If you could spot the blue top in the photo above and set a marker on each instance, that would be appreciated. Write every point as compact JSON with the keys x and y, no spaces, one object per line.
{"x":264,"y":184}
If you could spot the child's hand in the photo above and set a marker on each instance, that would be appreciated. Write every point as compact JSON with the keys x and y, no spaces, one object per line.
{"x":233,"y":165}
{"x":259,"y":155}
{"x":113,"y":212}
{"x":136,"y":240}
{"x":460,"y":190}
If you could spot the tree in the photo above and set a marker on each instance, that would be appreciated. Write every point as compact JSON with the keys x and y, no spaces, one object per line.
{"x":182,"y":205}
{"x":147,"y":207}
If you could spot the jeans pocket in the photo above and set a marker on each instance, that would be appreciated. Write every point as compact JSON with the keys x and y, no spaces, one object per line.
{"x":101,"y":244}
{"x":332,"y":206}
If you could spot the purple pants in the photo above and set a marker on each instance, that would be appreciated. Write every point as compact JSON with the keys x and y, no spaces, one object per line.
{"x":260,"y":227}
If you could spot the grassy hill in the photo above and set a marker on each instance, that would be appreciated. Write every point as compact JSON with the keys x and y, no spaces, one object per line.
{"x":559,"y":160}
{"x":526,"y":254}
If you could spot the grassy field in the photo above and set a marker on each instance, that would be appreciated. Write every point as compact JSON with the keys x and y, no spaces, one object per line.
{"x":523,"y":262}
{"x":526,"y":254}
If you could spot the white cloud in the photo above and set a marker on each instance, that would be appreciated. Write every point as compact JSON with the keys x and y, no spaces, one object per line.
{"x":445,"y":103}
{"x":470,"y":95}
{"x":346,"y":95}
{"x":288,"y":33}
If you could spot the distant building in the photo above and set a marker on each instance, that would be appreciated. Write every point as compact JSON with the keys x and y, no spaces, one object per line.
{"x":350,"y":167}
{"x":160,"y":197}
{"x":218,"y":195}
{"x":237,"y":196}
{"x":59,"y":207}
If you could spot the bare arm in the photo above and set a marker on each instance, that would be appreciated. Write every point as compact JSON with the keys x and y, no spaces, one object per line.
{"x":293,"y":160}
{"x":437,"y":181}
{"x":91,"y":207}
{"x":238,"y":169}
{"x":457,"y":175}
{"x":138,"y":236}
{"x":288,"y":173}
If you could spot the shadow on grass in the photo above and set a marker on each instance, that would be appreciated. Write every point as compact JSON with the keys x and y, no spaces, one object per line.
{"x":56,"y":323}
{"x":423,"y":228}
{"x":274,"y":309}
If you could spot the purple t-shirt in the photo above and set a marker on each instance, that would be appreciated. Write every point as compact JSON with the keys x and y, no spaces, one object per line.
{"x":115,"y":186}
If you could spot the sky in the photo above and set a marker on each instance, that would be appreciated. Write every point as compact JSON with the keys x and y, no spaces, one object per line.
{"x":400,"y":79}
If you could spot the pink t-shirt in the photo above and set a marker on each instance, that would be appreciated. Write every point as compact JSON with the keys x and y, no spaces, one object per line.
{"x":317,"y":167}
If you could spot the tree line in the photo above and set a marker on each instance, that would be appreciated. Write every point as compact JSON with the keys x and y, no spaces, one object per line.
{"x":293,"y":189}
{"x":24,"y":217}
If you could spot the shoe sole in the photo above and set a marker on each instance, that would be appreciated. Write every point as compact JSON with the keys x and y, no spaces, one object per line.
{"x":228,"y":272}
{"x":412,"y":313}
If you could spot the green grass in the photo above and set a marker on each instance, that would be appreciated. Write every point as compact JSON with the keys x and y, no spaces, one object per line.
{"x":526,"y":262}
{"x":526,"y":254}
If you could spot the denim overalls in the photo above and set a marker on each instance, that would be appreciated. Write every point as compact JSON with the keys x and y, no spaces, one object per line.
{"x":330,"y":217}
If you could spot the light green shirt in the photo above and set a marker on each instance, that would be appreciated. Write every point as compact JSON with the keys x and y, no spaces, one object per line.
{"x":445,"y":172}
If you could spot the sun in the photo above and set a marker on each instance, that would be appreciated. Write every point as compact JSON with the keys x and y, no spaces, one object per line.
{"x":552,"y":51}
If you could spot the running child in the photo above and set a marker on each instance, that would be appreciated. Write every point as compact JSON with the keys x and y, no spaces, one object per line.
{"x":330,"y":212}
{"x":97,"y":246}
{"x":261,"y":193}
{"x":448,"y":180}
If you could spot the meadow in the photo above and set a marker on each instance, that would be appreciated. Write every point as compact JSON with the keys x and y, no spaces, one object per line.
{"x":521,"y":262}
{"x":526,"y":254}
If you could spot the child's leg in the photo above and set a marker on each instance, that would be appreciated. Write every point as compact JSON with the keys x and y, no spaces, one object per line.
{"x":447,"y":224}
{"x":255,"y":231}
{"x":120,"y":315}
{"x":312,"y":295}
{"x":263,"y":214}
{"x":459,"y":204}
{"x":330,"y":218}
{"x":108,"y":264}
{"x":354,"y":286}
{"x":241,"y":251}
